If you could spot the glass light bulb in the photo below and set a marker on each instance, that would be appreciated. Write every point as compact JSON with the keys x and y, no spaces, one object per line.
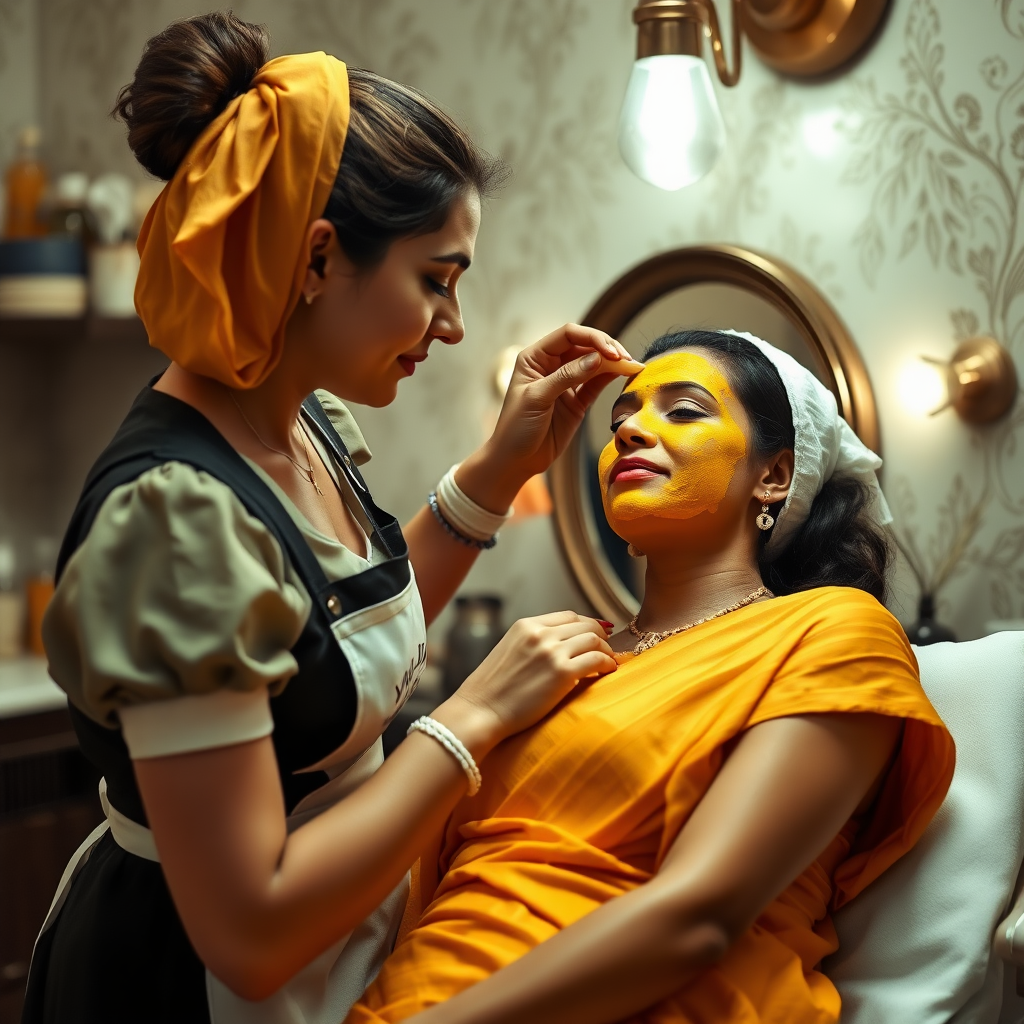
{"x":922,"y":388}
{"x":671,"y":131}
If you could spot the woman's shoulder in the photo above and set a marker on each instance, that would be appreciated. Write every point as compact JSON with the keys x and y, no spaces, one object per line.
{"x":172,"y":485}
{"x":175,"y":590}
{"x":180,"y":511}
{"x":345,"y":424}
{"x":839,"y":649}
{"x":841,"y":607}
{"x":830,"y":626}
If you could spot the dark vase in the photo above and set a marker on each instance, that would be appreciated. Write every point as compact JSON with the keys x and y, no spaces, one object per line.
{"x":477,"y":628}
{"x":926,"y":630}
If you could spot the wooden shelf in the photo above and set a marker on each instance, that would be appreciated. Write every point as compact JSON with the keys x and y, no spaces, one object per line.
{"x":88,"y":328}
{"x":25,"y":689}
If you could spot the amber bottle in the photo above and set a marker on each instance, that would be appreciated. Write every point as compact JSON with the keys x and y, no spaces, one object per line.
{"x":26,"y":186}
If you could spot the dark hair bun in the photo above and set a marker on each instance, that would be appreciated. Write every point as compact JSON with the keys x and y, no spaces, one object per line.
{"x":187,"y":75}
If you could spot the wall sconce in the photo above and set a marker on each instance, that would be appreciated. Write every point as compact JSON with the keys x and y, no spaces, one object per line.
{"x":979,"y":381}
{"x":504,"y":367}
{"x":671,"y":131}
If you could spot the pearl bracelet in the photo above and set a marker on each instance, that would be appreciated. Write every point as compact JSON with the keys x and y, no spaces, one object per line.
{"x":453,"y":745}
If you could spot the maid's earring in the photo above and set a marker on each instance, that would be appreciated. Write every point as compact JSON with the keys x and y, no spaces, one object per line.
{"x":634,"y":552}
{"x":764,"y":520}
{"x":309,"y":299}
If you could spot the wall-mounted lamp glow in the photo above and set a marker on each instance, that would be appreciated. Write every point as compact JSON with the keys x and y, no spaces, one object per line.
{"x":671,"y":131}
{"x":504,"y":367}
{"x":979,"y":381}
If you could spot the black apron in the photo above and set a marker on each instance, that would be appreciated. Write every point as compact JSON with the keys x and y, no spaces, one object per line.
{"x":115,"y":949}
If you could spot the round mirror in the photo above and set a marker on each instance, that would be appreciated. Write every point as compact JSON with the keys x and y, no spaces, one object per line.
{"x":710,"y":288}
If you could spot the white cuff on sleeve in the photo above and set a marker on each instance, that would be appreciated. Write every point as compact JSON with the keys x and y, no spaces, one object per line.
{"x":221,"y":718}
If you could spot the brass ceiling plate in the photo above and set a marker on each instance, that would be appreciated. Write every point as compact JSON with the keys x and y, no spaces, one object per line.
{"x":835,"y":34}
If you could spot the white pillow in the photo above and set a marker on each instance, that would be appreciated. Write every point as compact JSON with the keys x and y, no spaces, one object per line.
{"x":916,"y":946}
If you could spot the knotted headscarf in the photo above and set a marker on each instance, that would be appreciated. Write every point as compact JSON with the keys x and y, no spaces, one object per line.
{"x":825,"y":446}
{"x":222,"y":246}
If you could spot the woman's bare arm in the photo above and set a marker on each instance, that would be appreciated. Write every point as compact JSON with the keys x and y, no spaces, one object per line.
{"x":554,"y":382}
{"x":785,"y":792}
{"x":259,"y":904}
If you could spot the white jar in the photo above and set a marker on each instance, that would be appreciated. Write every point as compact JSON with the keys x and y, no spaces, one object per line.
{"x":112,"y":273}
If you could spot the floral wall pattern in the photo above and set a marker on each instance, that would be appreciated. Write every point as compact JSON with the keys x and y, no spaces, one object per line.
{"x":19,"y":103}
{"x":948,"y":174}
{"x":896,"y":187}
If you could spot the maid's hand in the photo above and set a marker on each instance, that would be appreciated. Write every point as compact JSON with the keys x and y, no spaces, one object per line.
{"x":554,"y":383}
{"x":532,"y":668}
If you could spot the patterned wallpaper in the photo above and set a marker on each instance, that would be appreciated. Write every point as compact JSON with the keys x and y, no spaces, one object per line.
{"x":19,"y":86}
{"x":895,"y":187}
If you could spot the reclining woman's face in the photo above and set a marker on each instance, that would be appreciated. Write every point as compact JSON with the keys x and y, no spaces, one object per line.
{"x":680,"y":437}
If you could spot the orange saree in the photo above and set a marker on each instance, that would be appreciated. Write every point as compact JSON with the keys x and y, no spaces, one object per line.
{"x":584,"y":807}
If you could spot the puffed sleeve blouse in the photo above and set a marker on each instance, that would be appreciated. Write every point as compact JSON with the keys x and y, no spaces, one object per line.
{"x":176,"y":616}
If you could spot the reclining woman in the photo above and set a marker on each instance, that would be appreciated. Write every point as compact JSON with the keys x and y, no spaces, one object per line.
{"x":667,"y":845}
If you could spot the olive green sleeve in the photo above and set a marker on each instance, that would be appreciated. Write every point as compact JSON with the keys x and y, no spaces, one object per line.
{"x":179,"y":602}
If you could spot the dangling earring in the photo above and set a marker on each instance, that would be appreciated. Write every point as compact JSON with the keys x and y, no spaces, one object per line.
{"x":309,"y":299}
{"x":764,"y":520}
{"x":634,"y":552}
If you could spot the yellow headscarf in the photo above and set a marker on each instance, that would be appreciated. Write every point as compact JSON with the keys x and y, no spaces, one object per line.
{"x":221,"y":248}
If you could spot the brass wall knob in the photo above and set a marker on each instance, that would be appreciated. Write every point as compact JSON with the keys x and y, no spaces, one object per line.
{"x":982,"y":380}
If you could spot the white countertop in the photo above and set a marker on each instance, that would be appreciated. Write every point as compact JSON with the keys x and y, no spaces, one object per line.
{"x":26,"y":688}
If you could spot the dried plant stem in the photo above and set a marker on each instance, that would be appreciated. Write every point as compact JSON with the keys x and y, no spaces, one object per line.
{"x":930,"y":582}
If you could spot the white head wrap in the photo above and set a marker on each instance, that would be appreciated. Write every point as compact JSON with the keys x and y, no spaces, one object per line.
{"x":825,"y":446}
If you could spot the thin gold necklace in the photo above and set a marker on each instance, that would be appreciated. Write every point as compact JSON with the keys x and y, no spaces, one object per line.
{"x":306,"y":471}
{"x":649,"y":638}
{"x":309,"y":459}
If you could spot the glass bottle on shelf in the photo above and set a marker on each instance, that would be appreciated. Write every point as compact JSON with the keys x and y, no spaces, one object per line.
{"x":26,"y":187}
{"x":12,"y":605}
{"x":39,"y":590}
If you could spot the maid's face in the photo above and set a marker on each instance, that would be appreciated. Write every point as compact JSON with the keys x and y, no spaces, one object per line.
{"x":679,"y":438}
{"x":367,"y":331}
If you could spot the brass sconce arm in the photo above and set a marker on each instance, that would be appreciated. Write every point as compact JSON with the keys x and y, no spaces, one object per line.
{"x":676,"y":26}
{"x":727,"y":77}
{"x":671,"y":131}
{"x":796,"y":37}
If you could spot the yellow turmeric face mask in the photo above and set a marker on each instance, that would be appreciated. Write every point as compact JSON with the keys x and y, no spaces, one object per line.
{"x":679,"y":410}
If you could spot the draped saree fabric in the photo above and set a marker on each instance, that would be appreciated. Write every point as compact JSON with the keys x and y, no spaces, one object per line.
{"x":221,"y":247}
{"x":586,"y":805}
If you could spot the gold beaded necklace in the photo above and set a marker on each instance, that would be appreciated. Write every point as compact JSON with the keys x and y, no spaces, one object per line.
{"x":649,"y":638}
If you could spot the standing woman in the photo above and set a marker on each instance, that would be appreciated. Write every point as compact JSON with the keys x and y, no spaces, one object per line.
{"x":236,"y":621}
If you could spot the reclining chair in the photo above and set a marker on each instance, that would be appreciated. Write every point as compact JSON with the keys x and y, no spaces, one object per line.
{"x":939,"y":938}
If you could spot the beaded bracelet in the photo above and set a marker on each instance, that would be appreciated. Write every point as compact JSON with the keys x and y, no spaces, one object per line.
{"x":472,"y":542}
{"x":453,"y":745}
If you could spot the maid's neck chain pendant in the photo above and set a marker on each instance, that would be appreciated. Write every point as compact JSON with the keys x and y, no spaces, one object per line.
{"x":307,"y":470}
{"x":648,"y":639}
{"x":309,"y":461}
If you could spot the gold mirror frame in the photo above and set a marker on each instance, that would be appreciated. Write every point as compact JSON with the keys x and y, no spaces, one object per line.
{"x":770,"y":279}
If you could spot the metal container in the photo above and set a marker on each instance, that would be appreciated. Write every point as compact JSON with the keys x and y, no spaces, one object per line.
{"x":42,"y":277}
